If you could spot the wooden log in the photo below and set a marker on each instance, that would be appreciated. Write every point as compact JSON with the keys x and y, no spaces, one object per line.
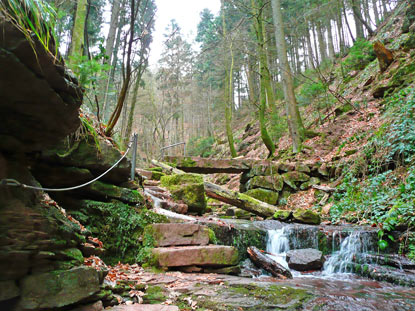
{"x":324,"y":188}
{"x":240,"y":200}
{"x":269,"y":265}
{"x":200,"y":165}
{"x":167,"y":168}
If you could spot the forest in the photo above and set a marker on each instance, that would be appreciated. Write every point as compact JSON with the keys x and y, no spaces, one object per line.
{"x":265,"y":162}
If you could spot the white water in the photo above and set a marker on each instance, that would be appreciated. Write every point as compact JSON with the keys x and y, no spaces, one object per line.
{"x":340,"y":262}
{"x":354,"y":245}
{"x":278,"y":245}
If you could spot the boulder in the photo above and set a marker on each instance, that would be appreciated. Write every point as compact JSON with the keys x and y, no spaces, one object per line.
{"x":188,"y":188}
{"x":58,"y":289}
{"x":8,"y":290}
{"x":264,"y":195}
{"x":274,"y":182}
{"x":291,"y":178}
{"x":305,"y":259}
{"x":282,"y":215}
{"x":306,"y":216}
{"x":211,"y":255}
{"x":176,"y":234}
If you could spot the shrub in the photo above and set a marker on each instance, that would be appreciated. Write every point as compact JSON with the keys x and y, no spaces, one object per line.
{"x":360,"y":55}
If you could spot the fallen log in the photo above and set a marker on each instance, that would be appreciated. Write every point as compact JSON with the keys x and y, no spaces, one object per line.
{"x":269,"y":265}
{"x":324,"y":188}
{"x":222,"y":194}
{"x":240,"y":200}
{"x":167,"y":168}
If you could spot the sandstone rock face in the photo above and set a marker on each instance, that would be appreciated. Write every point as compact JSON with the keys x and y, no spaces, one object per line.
{"x":305,"y":259}
{"x":37,"y":90}
{"x":176,"y":234}
{"x":8,"y":290}
{"x":58,"y":288}
{"x":274,"y":182}
{"x":211,"y":255}
{"x":264,"y":195}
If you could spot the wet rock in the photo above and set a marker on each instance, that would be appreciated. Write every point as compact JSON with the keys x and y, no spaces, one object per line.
{"x":188,"y":188}
{"x":57,"y":289}
{"x":8,"y":290}
{"x":264,"y":195}
{"x":274,"y":182}
{"x":211,"y":255}
{"x":282,"y":215}
{"x":176,"y":234}
{"x":291,"y":178}
{"x":305,"y":259}
{"x":306,"y":217}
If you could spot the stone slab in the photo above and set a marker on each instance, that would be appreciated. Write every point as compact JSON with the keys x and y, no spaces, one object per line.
{"x":211,"y":255}
{"x":175,"y":234}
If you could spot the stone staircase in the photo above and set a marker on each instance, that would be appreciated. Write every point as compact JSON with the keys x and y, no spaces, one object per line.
{"x":185,"y":247}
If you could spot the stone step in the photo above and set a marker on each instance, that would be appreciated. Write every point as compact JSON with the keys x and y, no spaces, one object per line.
{"x":175,"y":234}
{"x":210,"y":256}
{"x":142,"y":307}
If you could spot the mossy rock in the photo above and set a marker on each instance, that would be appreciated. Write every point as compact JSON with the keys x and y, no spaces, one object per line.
{"x":105,"y":192}
{"x":264,"y":195}
{"x":283,"y":200}
{"x":242,"y":214}
{"x":263,"y":170}
{"x":154,"y":295}
{"x":308,"y":184}
{"x":291,"y":178}
{"x":282,"y":215}
{"x":274,"y":182}
{"x":188,"y":188}
{"x":303,"y":168}
{"x":155,"y":169}
{"x":306,"y":216}
{"x":157,"y":175}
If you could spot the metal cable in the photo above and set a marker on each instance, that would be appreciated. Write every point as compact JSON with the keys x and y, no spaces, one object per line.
{"x":15,"y":183}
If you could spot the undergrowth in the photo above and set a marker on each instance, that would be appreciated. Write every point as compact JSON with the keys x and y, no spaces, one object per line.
{"x":386,"y":197}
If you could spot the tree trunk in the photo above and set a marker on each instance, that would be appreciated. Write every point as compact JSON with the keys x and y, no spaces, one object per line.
{"x":264,"y":262}
{"x":321,"y":42}
{"x":360,"y":33}
{"x":77,"y":41}
{"x":357,"y":12}
{"x":228,"y":86}
{"x":332,"y":53}
{"x":109,"y":46}
{"x":376,"y":12}
{"x":293,"y":115}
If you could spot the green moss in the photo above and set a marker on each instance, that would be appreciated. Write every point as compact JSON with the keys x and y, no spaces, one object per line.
{"x":274,"y":182}
{"x":156,"y":169}
{"x":306,"y":216}
{"x":282,"y":215}
{"x":113,"y":192}
{"x":188,"y":188}
{"x":154,"y":295}
{"x":118,"y":226}
{"x":267,"y":196}
{"x":157,"y":175}
{"x":323,"y":244}
{"x":212,"y":237}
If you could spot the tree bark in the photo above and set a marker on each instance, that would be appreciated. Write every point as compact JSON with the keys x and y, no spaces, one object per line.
{"x":228,"y":86}
{"x":77,"y":41}
{"x":269,"y":265}
{"x":358,"y":14}
{"x":293,"y":115}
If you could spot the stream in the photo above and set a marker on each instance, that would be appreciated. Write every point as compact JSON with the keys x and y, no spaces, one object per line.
{"x":340,"y":285}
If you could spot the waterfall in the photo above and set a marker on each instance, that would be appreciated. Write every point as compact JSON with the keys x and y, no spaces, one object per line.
{"x":278,"y":245}
{"x":353,"y":246}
